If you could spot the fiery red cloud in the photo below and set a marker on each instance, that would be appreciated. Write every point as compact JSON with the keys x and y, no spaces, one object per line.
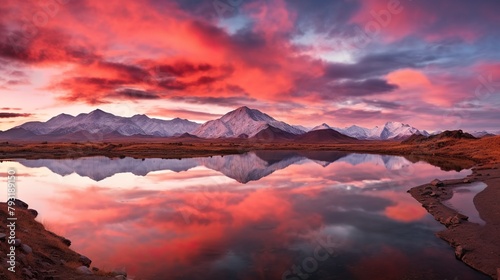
{"x":351,"y":62}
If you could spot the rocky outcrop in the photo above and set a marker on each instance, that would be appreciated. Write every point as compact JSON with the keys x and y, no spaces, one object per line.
{"x":474,"y":244}
{"x":38,"y":253}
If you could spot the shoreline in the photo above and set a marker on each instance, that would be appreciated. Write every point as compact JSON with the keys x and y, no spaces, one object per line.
{"x":196,"y":148}
{"x":475,"y":245}
{"x":38,"y":253}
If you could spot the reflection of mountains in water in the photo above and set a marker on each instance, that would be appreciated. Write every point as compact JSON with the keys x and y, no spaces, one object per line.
{"x":243,"y":168}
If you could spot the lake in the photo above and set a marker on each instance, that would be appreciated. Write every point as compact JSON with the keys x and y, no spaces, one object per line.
{"x":260,"y":215}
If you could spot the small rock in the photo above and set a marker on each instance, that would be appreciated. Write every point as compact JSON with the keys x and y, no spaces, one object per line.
{"x":455,"y":220}
{"x":433,"y":194}
{"x":459,"y":252}
{"x":466,"y":181}
{"x":85,"y":261}
{"x":462,"y":217}
{"x":427,"y":192}
{"x":21,"y":204}
{"x":437,"y":183}
{"x":27,"y":249}
{"x":121,"y":277}
{"x":62,"y":262}
{"x":33,"y":212}
{"x":66,"y":241}
{"x":17,"y":242}
{"x":2,"y":236}
{"x":118,"y":272}
{"x":84,"y":270}
{"x":95,"y":269}
{"x":26,"y":272}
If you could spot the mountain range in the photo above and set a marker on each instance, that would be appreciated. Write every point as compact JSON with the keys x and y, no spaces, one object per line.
{"x":240,"y":123}
{"x":391,"y":130}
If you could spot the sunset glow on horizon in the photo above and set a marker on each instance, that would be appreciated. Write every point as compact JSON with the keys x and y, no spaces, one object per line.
{"x":433,"y":65}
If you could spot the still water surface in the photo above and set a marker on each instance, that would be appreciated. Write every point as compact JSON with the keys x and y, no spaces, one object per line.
{"x":261,"y":215}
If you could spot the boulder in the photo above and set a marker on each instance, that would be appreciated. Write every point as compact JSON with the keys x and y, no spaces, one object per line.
{"x":33,"y":212}
{"x":118,"y":272}
{"x":437,"y":183}
{"x":66,"y":241}
{"x":27,"y":249}
{"x":21,"y":204}
{"x":17,"y":242}
{"x":455,"y":220}
{"x":84,"y":270}
{"x":427,"y":192}
{"x":459,"y":252}
{"x":85,"y":261}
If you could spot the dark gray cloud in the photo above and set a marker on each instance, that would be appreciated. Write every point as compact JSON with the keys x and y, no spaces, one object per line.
{"x":234,"y":101}
{"x":361,"y":88}
{"x":134,"y":94}
{"x":377,"y":64}
{"x":4,"y":115}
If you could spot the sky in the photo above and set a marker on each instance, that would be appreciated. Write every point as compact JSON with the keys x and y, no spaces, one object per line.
{"x":433,"y":65}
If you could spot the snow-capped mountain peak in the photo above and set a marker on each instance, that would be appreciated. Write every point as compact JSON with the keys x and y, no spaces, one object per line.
{"x":391,"y":130}
{"x":321,"y":127}
{"x":242,"y":121}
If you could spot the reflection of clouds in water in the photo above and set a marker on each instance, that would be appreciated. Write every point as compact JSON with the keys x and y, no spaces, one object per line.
{"x":463,"y":201}
{"x":241,"y":231}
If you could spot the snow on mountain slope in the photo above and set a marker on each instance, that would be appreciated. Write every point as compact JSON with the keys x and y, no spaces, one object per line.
{"x":358,"y":132}
{"x":163,"y":128}
{"x":242,"y":121}
{"x":303,"y":128}
{"x":99,"y":121}
{"x":479,"y":134}
{"x":391,"y":130}
{"x":397,"y":130}
{"x":40,"y":128}
{"x":321,"y":127}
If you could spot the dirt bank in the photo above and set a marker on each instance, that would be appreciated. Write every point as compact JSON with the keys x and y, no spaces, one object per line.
{"x":476,"y":245}
{"x":36,"y":253}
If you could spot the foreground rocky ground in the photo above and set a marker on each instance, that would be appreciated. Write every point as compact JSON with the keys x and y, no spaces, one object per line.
{"x":476,"y":245}
{"x":41,"y":254}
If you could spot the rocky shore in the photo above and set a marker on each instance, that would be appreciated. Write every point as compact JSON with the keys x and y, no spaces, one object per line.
{"x":474,"y":244}
{"x":36,"y":253}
